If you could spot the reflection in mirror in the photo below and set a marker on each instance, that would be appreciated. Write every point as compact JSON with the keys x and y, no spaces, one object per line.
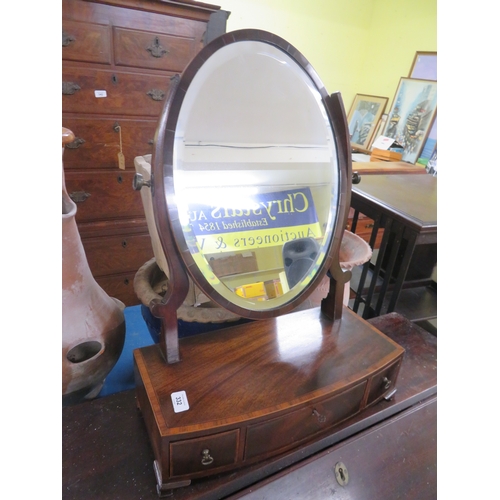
{"x":255,"y":174}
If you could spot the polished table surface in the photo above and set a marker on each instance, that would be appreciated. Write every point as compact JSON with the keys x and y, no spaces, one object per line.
{"x":410,"y":198}
{"x":107,"y":455}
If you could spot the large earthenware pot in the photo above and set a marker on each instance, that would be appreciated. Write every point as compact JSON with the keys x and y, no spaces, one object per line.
{"x":93,"y":323}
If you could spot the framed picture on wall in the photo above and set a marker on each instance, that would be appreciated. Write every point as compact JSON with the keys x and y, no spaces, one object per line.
{"x":378,"y":131}
{"x":363,"y":118}
{"x":424,"y":66}
{"x":412,"y":115}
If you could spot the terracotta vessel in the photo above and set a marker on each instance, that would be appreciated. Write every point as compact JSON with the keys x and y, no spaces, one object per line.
{"x":93,"y":323}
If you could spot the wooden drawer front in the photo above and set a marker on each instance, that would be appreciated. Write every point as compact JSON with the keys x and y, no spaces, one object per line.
{"x":189,"y":456}
{"x":117,"y":254}
{"x":383,"y":382}
{"x":142,"y":49}
{"x":364,"y":229}
{"x":134,"y":94}
{"x":97,"y":143}
{"x":288,"y":430}
{"x":100,"y":195}
{"x":120,"y":286}
{"x":86,"y":42}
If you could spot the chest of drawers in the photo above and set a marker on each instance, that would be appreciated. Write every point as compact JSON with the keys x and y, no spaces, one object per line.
{"x":118,"y":57}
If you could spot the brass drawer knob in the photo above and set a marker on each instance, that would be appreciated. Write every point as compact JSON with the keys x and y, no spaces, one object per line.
{"x":321,"y":418}
{"x":387,"y":383}
{"x":206,"y":459}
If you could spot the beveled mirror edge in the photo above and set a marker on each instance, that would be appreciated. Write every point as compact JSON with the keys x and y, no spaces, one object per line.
{"x":163,"y":199}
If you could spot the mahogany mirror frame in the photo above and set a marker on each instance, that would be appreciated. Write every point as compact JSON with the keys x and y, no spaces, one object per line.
{"x":179,"y":259}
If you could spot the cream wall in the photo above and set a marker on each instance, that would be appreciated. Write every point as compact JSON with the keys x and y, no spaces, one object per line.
{"x":356,"y":46}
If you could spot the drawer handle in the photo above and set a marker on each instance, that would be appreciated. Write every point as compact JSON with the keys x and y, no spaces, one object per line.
{"x":75,"y":144}
{"x":321,"y":418}
{"x":155,"y":49}
{"x":79,"y":196}
{"x":67,"y":39}
{"x":156,"y":94}
{"x":69,"y":88}
{"x":206,"y":459}
{"x":368,"y":226}
{"x":387,"y":383}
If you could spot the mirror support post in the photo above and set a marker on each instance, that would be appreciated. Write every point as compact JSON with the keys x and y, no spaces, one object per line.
{"x":169,"y":337}
{"x":332,"y":305}
{"x":178,"y":282}
{"x":166,"y":309}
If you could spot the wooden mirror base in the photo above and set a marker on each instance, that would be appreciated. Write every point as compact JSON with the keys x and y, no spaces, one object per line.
{"x":254,"y":391}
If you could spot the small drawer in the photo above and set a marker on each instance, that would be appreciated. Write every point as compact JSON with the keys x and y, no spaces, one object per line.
{"x":117,"y":254}
{"x":121,"y":287}
{"x":97,"y":141}
{"x":86,"y":42}
{"x":290,"y":429}
{"x":142,"y":49}
{"x":104,"y":195}
{"x":205,"y":453}
{"x":87,"y":90}
{"x":383,"y":383}
{"x":364,"y":228}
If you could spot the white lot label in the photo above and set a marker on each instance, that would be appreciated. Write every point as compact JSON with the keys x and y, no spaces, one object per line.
{"x":100,"y":93}
{"x":179,"y":401}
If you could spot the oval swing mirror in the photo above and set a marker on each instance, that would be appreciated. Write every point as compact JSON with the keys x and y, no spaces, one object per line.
{"x":250,"y":174}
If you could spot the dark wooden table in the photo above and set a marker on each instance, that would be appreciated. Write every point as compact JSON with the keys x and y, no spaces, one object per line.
{"x":405,"y":207}
{"x":388,"y":449}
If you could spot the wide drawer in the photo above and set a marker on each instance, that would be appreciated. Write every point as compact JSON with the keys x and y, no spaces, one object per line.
{"x":143,"y":49}
{"x":97,"y":141}
{"x":290,"y":429}
{"x":204,"y":453}
{"x":117,"y":254}
{"x":87,"y":90}
{"x":101,"y":195}
{"x":86,"y":42}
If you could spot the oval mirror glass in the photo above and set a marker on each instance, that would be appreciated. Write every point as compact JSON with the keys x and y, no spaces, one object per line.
{"x":254,"y":172}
